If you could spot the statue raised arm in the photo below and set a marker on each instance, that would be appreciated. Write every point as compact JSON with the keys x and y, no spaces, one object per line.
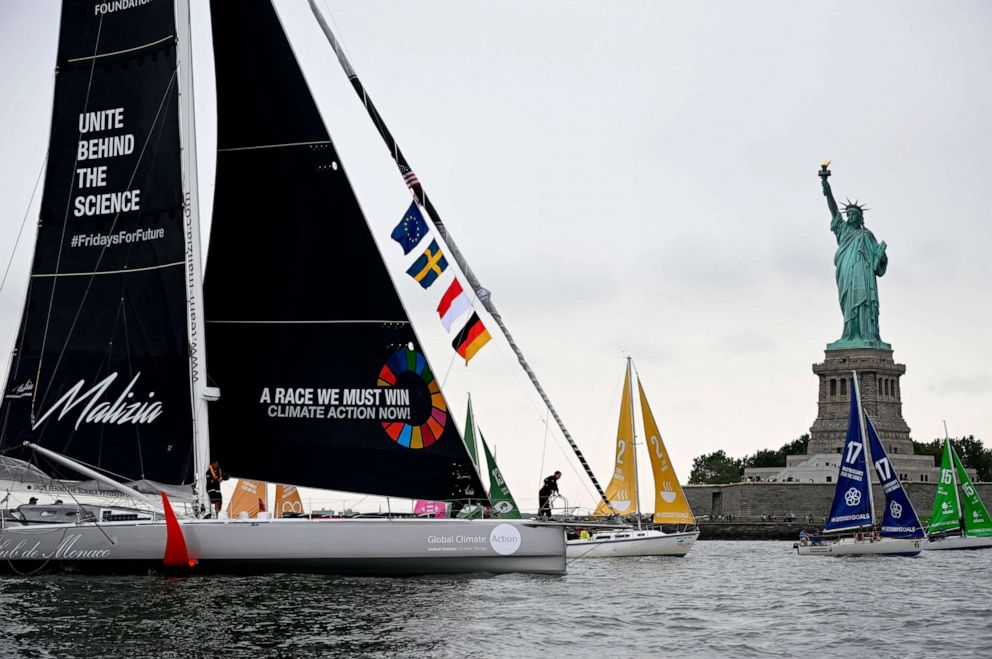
{"x":858,"y":261}
{"x":828,"y":193}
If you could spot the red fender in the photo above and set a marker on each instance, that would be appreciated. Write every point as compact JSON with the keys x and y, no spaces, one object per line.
{"x":176,"y":553}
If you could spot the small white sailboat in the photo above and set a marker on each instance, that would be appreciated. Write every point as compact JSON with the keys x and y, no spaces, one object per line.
{"x":622,"y":494}
{"x":853,"y":510}
{"x":957,"y":523}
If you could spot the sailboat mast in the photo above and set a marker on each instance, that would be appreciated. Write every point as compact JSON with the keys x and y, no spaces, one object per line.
{"x":633,"y":436}
{"x":482,"y":293}
{"x":194,"y":261}
{"x":869,"y":464}
{"x":954,"y":478}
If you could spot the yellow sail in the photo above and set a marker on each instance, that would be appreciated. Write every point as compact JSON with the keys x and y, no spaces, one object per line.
{"x":287,"y":500}
{"x":670,"y":504}
{"x":249,"y":497}
{"x":622,"y":490}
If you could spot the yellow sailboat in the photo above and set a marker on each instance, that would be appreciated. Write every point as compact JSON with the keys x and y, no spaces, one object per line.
{"x":622,"y":494}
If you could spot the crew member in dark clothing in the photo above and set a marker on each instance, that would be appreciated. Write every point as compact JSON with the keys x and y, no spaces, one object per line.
{"x":214,"y":476}
{"x":544,"y":496}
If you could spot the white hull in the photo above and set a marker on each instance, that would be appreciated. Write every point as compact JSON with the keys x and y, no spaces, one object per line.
{"x":866,"y":547}
{"x":339,"y":546}
{"x":632,"y":543}
{"x":958,"y":542}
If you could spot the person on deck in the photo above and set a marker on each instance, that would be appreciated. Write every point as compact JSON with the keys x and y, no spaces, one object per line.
{"x":214,"y":476}
{"x":544,"y":495}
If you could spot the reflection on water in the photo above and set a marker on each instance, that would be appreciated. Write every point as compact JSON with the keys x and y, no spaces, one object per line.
{"x":724,"y":599}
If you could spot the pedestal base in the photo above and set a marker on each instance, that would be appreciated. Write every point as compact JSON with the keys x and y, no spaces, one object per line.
{"x":878,"y":381}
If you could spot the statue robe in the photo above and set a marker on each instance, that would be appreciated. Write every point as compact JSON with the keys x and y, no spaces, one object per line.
{"x":858,"y":261}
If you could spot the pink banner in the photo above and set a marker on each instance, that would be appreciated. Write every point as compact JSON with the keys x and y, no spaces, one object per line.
{"x":430,"y":508}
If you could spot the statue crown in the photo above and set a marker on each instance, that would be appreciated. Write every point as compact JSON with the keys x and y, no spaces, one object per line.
{"x":856,"y":204}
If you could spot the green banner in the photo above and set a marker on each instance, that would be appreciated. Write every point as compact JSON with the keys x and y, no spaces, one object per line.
{"x":503,"y":504}
{"x":946,"y":513}
{"x":976,"y":517}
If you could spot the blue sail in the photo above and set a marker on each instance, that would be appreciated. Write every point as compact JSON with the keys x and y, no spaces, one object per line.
{"x":852,"y":498}
{"x":900,"y":520}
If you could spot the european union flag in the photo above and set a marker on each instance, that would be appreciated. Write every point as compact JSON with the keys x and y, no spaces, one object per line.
{"x":411,"y":229}
{"x":429,"y":266}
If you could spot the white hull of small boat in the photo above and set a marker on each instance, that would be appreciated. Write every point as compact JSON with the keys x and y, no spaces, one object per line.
{"x":866,"y":547}
{"x":958,"y":542}
{"x":632,"y":543}
{"x":337,"y":546}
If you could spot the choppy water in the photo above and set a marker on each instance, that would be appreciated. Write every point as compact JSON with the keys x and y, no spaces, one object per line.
{"x":743,"y":599}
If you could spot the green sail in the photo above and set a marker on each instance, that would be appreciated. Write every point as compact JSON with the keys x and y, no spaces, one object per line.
{"x":499,"y":492}
{"x":470,"y":511}
{"x":976,"y":518}
{"x":946,"y":513}
{"x":470,"y":433}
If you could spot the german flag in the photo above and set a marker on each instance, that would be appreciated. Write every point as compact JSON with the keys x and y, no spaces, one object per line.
{"x":471,"y":338}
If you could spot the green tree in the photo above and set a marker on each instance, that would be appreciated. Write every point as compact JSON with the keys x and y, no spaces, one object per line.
{"x":716,"y":467}
{"x":970,"y":449}
{"x":770,"y":458}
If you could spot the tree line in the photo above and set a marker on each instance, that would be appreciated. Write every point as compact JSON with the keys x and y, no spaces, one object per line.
{"x":718,"y":467}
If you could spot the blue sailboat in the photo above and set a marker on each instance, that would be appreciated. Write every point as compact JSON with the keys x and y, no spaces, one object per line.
{"x":853,"y":508}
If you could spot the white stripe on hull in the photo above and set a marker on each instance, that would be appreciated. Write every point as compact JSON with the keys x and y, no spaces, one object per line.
{"x":366,"y":546}
{"x":851,"y":547}
{"x":959,"y":542}
{"x":636,"y":543}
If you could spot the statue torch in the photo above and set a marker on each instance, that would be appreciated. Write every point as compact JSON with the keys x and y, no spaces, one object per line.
{"x":824,"y":172}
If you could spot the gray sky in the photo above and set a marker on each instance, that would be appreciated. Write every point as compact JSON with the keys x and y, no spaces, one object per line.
{"x":642,"y":178}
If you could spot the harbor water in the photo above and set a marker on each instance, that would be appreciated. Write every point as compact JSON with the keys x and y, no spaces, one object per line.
{"x":735,"y":599}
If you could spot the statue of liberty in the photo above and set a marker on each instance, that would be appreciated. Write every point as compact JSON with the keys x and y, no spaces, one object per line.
{"x":858,"y":261}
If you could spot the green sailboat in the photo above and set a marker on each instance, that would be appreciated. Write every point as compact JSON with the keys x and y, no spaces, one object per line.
{"x":956,"y":522}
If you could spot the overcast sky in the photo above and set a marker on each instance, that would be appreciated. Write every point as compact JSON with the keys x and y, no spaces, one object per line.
{"x":641,"y":177}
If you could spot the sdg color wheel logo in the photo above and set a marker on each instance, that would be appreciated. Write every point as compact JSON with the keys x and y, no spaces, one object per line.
{"x":408,"y":369}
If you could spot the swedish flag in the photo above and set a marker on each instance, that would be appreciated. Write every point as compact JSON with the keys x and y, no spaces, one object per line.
{"x":429,"y":266}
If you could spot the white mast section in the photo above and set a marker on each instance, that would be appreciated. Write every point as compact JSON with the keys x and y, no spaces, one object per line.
{"x":194,"y":260}
{"x":954,"y":478}
{"x":633,"y":439}
{"x":869,"y":464}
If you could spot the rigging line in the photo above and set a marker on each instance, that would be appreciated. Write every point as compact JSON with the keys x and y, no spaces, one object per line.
{"x":103,"y":251}
{"x":513,"y":371}
{"x":544,"y":447}
{"x":95,"y":273}
{"x":448,"y":372}
{"x":272,"y":146}
{"x":121,"y":52}
{"x":65,"y":223}
{"x":130,"y":373}
{"x":418,"y":191}
{"x":24,"y":221}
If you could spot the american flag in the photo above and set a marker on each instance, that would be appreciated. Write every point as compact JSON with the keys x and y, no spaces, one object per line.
{"x":409,"y":177}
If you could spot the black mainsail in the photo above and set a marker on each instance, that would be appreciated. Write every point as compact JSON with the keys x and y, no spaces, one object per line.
{"x":323,"y":381}
{"x":101,"y":369}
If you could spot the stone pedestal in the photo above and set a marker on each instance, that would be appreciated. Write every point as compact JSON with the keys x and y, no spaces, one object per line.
{"x":878,"y":381}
